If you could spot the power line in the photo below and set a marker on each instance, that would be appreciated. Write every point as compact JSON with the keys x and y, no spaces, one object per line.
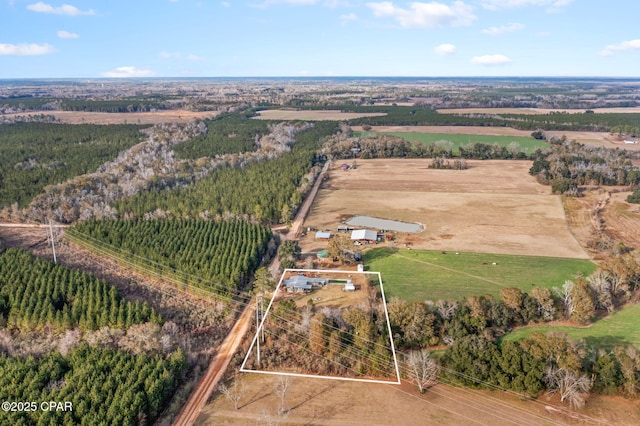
{"x":242,"y":304}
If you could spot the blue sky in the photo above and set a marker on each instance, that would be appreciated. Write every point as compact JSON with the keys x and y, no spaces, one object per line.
{"x":198,"y":38}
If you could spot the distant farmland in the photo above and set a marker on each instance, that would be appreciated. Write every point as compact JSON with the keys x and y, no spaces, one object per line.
{"x":419,"y":275}
{"x":525,"y":144}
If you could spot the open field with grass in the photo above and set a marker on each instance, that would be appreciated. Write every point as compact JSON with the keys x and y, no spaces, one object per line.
{"x":589,"y":138}
{"x":418,"y":275}
{"x":312,"y":115}
{"x":620,"y":328}
{"x":525,"y":144}
{"x":492,"y":207}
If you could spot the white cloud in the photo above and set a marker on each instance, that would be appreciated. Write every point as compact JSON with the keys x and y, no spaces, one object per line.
{"x":25,"y":49}
{"x":65,"y":9}
{"x":625,"y":45}
{"x":349,"y":17}
{"x":503,"y":29}
{"x":67,"y":34}
{"x":551,"y":5}
{"x":426,"y":15}
{"x":125,"y":72}
{"x":497,"y":59}
{"x":225,"y":4}
{"x":445,"y":49}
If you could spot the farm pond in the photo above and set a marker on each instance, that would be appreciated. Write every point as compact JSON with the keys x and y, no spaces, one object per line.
{"x":391,"y":225}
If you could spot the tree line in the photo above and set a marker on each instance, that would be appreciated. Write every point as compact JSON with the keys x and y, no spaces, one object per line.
{"x":565,"y":165}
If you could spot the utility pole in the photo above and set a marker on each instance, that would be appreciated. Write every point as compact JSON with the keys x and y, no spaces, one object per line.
{"x":257,"y":335}
{"x":259,"y":318}
{"x":53,"y":245}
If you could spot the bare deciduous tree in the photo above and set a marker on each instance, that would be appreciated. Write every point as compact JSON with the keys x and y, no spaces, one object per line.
{"x":282,"y":385}
{"x":572,"y":388}
{"x":565,"y":295}
{"x":233,"y":392}
{"x":446,"y":309}
{"x":423,"y":369}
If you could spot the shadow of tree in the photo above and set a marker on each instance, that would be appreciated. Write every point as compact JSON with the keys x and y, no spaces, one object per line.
{"x":606,"y":342}
{"x":379,"y":253}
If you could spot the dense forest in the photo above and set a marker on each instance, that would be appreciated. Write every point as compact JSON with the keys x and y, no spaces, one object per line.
{"x":347,"y":342}
{"x":227,"y":134}
{"x":266,"y":190}
{"x":104,"y":386}
{"x":35,"y":294}
{"x":34,"y":155}
{"x":215,"y":255}
{"x":565,"y":165}
{"x":105,"y":355}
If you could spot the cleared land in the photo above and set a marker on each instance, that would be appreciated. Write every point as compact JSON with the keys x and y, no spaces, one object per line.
{"x":417,"y":275}
{"x":82,"y":117}
{"x":321,"y":402}
{"x":312,"y":115}
{"x":620,"y":328}
{"x":492,"y":207}
{"x":622,"y":220}
{"x":525,"y":144}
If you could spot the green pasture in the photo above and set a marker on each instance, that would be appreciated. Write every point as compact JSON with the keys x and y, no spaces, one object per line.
{"x":419,"y":275}
{"x":526,"y":144}
{"x":621,"y":328}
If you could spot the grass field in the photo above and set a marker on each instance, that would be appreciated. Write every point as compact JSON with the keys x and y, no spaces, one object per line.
{"x":419,"y":275}
{"x":526,"y":144}
{"x":621,"y":328}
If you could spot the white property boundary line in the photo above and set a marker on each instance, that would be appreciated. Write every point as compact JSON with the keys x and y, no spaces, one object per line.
{"x":324,"y":271}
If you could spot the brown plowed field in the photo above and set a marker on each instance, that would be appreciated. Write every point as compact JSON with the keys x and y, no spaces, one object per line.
{"x":164,"y":116}
{"x":493,"y":207}
{"x":622,"y":220}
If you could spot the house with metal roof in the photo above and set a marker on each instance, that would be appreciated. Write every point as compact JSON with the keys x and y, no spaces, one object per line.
{"x":303,"y":284}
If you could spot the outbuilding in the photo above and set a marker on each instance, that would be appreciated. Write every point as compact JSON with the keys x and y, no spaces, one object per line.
{"x":323,"y":235}
{"x":364,"y":235}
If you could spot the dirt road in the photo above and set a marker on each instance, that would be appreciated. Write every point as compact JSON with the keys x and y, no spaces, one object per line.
{"x":208,"y":383}
{"x":29,"y":225}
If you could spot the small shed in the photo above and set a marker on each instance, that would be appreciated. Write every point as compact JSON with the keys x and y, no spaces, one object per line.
{"x":322,"y":235}
{"x":365,"y":235}
{"x":349,"y":286}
